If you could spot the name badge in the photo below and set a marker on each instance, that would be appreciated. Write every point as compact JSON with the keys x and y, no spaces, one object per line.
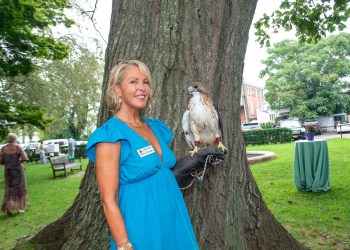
{"x":145,"y":151}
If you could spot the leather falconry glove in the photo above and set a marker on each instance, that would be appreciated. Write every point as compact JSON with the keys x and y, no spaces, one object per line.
{"x":187,"y":168}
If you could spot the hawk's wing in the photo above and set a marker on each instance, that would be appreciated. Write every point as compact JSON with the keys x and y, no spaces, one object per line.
{"x":187,"y":129}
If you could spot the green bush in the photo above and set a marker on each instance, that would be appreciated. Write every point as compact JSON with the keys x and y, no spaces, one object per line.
{"x":266,"y":136}
{"x":266,"y":125}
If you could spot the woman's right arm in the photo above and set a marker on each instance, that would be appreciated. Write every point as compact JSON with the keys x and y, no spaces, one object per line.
{"x":107,"y":172}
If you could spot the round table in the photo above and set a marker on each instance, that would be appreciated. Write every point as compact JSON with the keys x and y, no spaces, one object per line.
{"x":311,"y":166}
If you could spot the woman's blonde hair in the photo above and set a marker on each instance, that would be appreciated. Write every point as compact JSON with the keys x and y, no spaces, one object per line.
{"x":117,"y":76}
{"x":11,"y":137}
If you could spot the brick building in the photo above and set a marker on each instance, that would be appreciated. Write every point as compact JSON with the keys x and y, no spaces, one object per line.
{"x":252,"y":99}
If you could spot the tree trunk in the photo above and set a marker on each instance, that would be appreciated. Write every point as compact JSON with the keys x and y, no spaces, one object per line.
{"x":183,"y":42}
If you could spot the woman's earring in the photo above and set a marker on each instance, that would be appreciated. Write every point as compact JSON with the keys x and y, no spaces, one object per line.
{"x":117,"y":99}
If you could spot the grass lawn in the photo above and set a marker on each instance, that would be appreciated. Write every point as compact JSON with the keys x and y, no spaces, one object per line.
{"x":318,"y":220}
{"x":49,"y":199}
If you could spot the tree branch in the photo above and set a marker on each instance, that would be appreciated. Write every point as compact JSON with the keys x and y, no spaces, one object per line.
{"x":91,"y":17}
{"x":93,"y":13}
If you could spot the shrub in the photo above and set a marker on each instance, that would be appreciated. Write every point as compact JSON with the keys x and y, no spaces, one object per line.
{"x":266,"y":125}
{"x":266,"y":136}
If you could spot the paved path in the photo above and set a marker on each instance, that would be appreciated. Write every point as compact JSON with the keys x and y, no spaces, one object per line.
{"x":332,"y":133}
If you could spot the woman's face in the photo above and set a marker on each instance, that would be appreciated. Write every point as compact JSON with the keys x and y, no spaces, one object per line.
{"x":134,"y":90}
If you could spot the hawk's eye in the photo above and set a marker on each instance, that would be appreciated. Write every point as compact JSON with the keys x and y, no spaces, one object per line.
{"x":195,"y":86}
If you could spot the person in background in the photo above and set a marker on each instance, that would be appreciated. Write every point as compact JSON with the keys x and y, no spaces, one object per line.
{"x":15,"y":195}
{"x":42,"y":150}
{"x":335,"y":124}
{"x":71,"y":148}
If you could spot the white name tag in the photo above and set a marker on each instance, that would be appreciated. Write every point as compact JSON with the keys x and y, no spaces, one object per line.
{"x":145,"y":151}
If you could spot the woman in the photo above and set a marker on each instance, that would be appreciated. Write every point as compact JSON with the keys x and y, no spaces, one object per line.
{"x":133,"y":163}
{"x":42,"y":150}
{"x":15,"y":196}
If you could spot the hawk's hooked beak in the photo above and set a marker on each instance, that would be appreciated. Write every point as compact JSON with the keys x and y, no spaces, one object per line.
{"x":192,"y":89}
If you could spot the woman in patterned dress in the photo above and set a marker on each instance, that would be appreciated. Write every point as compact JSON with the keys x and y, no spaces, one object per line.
{"x":15,"y":195}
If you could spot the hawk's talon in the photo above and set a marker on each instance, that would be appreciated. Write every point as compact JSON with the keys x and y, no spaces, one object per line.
{"x":223,"y":148}
{"x":195,"y":150}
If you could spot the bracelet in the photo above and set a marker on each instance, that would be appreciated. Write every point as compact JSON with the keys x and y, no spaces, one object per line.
{"x":125,"y":247}
{"x":122,"y":242}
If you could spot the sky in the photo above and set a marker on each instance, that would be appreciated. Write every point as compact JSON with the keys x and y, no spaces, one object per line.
{"x":254,"y":55}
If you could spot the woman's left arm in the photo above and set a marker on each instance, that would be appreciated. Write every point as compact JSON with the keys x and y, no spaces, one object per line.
{"x":24,"y":156}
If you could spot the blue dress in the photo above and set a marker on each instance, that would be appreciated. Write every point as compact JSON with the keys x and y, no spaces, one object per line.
{"x":150,"y":200}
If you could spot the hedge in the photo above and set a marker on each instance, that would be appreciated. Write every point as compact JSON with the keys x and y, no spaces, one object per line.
{"x":266,"y":136}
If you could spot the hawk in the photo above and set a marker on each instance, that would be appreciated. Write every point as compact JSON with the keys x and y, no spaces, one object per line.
{"x":200,"y":122}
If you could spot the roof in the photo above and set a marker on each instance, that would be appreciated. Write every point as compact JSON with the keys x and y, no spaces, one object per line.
{"x":254,"y":85}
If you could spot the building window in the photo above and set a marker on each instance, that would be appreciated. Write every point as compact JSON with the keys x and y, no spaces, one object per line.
{"x":251,"y":107}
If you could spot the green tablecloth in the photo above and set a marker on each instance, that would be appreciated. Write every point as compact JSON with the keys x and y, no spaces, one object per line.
{"x":311,"y":166}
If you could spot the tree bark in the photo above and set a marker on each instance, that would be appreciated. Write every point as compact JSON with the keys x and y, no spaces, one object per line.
{"x":183,"y":42}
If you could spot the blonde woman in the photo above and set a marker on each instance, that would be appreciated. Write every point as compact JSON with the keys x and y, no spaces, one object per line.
{"x":141,"y":199}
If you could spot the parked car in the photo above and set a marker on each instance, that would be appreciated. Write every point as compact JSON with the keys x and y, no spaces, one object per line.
{"x":32,"y":151}
{"x":298,"y":132}
{"x":250,"y":126}
{"x":343,"y":127}
{"x":315,"y":123}
{"x":31,"y":145}
{"x":55,"y":146}
{"x":60,"y":142}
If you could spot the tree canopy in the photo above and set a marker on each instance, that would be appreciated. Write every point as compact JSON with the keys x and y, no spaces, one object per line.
{"x":12,"y":114}
{"x":41,"y":73}
{"x":311,"y":19}
{"x":75,"y":95}
{"x":25,"y":40}
{"x":67,"y":92}
{"x":25,"y":34}
{"x":310,"y":79}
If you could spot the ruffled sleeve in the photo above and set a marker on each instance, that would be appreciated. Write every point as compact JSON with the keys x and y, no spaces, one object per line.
{"x":108,"y":132}
{"x":163,"y":129}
